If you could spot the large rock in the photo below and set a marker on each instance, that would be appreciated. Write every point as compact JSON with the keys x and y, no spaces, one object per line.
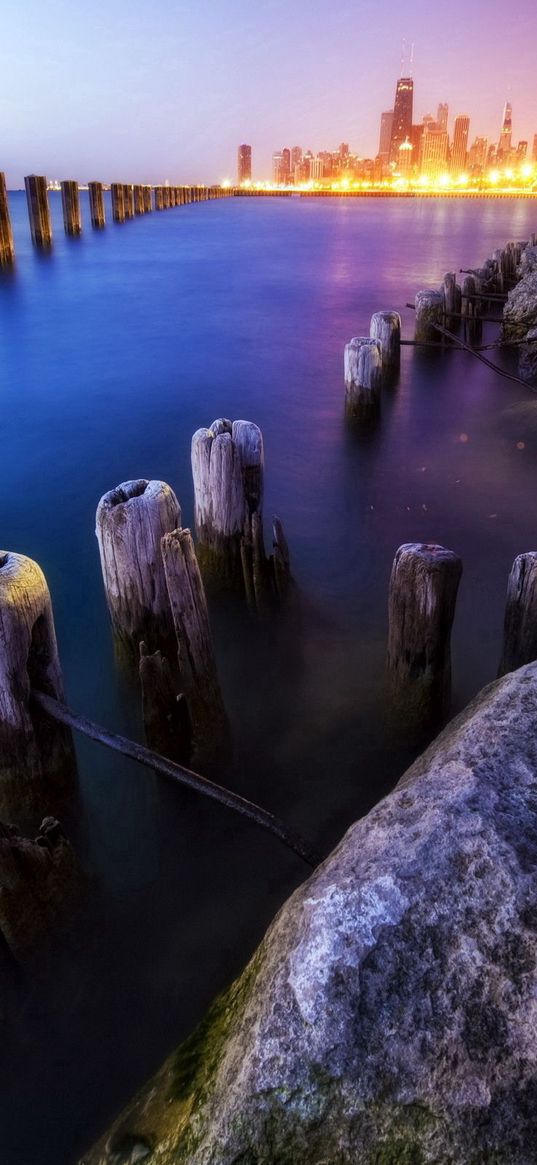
{"x":390,"y":1015}
{"x":528,"y":261}
{"x":39,"y":880}
{"x":527,"y":358}
{"x":520,"y":311}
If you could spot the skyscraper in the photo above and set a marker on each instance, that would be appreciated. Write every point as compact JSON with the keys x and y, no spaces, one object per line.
{"x":504,"y":144}
{"x":534,"y":153}
{"x":244,"y":164}
{"x":460,"y":143}
{"x":442,"y":116}
{"x":386,"y":125}
{"x":434,"y":151}
{"x":402,"y":115}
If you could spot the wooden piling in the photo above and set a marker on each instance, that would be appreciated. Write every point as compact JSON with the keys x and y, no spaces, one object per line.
{"x":197,"y":665}
{"x":159,"y":198}
{"x":38,"y":210}
{"x":130,"y":522}
{"x":138,"y":199}
{"x":128,"y":196}
{"x":166,"y":197}
{"x":228,"y":470}
{"x":429,"y":310}
{"x":36,"y":761}
{"x":7,"y":249}
{"x":423,"y":593}
{"x":363,"y":378}
{"x":520,"y":622}
{"x":72,"y":221}
{"x":96,"y":201}
{"x":452,"y":303}
{"x":146,"y":191}
{"x":386,"y":328}
{"x":118,"y":201}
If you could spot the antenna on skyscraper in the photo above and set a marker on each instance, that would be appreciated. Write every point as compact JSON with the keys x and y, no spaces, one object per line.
{"x":403,"y":51}
{"x":411,"y":58}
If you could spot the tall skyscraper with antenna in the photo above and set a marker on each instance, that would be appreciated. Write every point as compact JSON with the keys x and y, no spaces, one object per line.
{"x":505,"y":144}
{"x":402,"y":115}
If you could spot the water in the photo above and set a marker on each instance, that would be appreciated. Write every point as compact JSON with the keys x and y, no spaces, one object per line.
{"x":114,"y":349}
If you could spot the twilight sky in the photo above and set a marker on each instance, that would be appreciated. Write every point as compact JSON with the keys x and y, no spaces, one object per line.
{"x":132,"y":91}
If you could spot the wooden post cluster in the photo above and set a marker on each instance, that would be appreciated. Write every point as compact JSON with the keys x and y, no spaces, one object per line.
{"x":363,"y":378}
{"x":38,"y":210}
{"x":36,"y":757}
{"x":96,"y":201}
{"x":423,"y":593}
{"x":386,"y":328}
{"x":7,"y":249}
{"x":159,"y":615}
{"x":72,"y":221}
{"x":130,"y":522}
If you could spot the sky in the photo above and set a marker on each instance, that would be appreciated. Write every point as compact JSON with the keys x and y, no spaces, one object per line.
{"x":135,"y":92}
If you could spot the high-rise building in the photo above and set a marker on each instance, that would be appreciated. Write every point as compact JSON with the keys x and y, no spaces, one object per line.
{"x":442,"y":116}
{"x":477,"y":157}
{"x":244,"y":164}
{"x":296,"y":156}
{"x":277,"y":168}
{"x":460,"y":143}
{"x":386,"y":125}
{"x":404,"y":165}
{"x":286,"y":165}
{"x":521,"y":151}
{"x":434,"y":151}
{"x":402,"y":115}
{"x":534,"y":151}
{"x":317,"y":168}
{"x":504,"y":144}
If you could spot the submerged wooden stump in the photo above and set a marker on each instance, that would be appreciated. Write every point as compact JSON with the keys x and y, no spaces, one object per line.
{"x":227,"y":469}
{"x":37,"y":759}
{"x":197,"y":665}
{"x":165,"y":711}
{"x":38,"y":210}
{"x":429,"y":311}
{"x":363,"y":378}
{"x":520,"y":623}
{"x":386,"y":328}
{"x":452,"y":301}
{"x":423,"y":593}
{"x":131,"y":520}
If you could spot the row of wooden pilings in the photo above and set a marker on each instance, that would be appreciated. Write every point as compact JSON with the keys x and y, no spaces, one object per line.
{"x":128,"y":201}
{"x":371,"y":362}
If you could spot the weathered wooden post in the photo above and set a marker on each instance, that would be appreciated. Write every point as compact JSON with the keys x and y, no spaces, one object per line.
{"x":138,"y":199}
{"x":38,"y":210}
{"x":197,"y":665}
{"x":36,"y":755}
{"x":520,"y":623}
{"x":429,"y":311}
{"x":423,"y":592}
{"x":118,"y":201}
{"x":386,"y":328}
{"x":128,"y":196}
{"x":96,"y":201}
{"x":147,"y":199}
{"x":166,"y":200}
{"x":471,"y":310}
{"x":72,"y":221}
{"x":363,"y":378}
{"x":452,"y":303}
{"x":7,"y":249}
{"x":227,"y":469}
{"x":159,"y":198}
{"x":131,"y":520}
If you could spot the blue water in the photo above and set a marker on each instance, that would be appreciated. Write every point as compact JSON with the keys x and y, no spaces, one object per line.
{"x":115,"y":347}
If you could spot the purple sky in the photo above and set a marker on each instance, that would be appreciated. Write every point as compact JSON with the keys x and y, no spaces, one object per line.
{"x":130,"y":91}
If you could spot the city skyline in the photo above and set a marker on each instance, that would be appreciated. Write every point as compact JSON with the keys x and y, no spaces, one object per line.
{"x":91,"y":95}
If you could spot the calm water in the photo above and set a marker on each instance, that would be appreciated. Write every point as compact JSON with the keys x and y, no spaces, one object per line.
{"x":114,"y":349}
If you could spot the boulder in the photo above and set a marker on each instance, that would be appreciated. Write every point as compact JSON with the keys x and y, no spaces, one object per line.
{"x":38,"y":881}
{"x":527,"y":358}
{"x":390,"y":1015}
{"x":528,"y":261}
{"x":520,"y":311}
